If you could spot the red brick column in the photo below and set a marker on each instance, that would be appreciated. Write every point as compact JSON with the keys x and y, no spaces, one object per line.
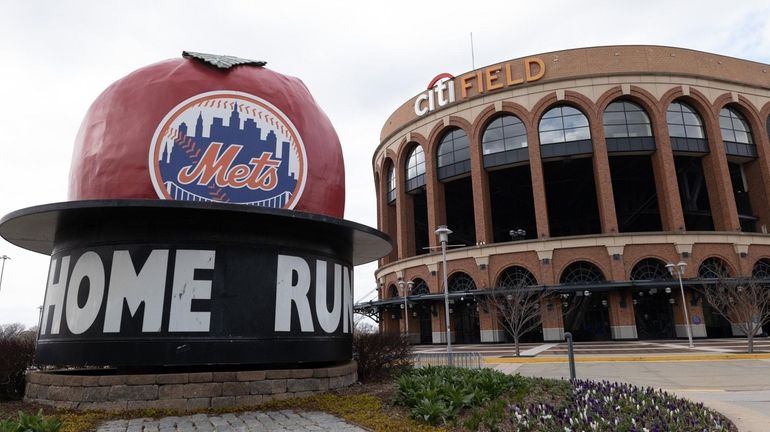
{"x":621,"y":311}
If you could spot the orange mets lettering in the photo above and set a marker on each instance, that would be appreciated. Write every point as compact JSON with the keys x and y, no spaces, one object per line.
{"x":261,"y":173}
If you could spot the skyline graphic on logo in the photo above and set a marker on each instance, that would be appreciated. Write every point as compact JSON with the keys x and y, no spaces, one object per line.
{"x":228,"y":146}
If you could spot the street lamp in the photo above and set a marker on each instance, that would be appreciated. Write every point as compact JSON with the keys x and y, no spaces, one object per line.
{"x":679,"y":270}
{"x":406,"y":287}
{"x":2,"y":269}
{"x":517,"y":233}
{"x":443,"y":237}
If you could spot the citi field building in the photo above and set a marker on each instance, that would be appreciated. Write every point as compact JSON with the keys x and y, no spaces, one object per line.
{"x":585,"y":171}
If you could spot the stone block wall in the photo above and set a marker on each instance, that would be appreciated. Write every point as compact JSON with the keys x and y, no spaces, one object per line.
{"x":182,"y":391}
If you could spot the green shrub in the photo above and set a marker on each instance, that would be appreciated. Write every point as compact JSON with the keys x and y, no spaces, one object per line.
{"x":439,"y":394}
{"x":30,"y":423}
{"x":380,"y":355}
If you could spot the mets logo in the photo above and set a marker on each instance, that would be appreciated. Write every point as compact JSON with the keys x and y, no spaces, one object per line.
{"x":228,"y":146}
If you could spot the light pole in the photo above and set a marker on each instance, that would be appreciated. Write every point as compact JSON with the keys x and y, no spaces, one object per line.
{"x":2,"y":269}
{"x":406,"y":287}
{"x":679,"y":270}
{"x":443,"y":237}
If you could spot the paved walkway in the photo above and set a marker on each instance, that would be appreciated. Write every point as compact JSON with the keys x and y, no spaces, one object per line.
{"x":257,"y":421}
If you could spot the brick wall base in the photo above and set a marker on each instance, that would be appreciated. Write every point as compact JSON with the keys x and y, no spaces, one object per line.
{"x":182,"y":391}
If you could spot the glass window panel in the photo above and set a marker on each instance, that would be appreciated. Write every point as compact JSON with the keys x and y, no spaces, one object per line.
{"x":614,"y":118}
{"x":741,"y":137}
{"x":462,"y":154}
{"x":492,"y":135}
{"x":551,"y":124}
{"x":614,"y":107}
{"x":615,"y":131}
{"x":552,"y":113}
{"x":551,"y":137}
{"x":728,"y":135}
{"x":674,"y":118}
{"x":491,"y":147}
{"x":514,"y":130}
{"x":639,"y":130}
{"x":632,"y":107}
{"x":519,"y":141}
{"x":460,"y":141}
{"x":496,"y":123}
{"x":691,"y":119}
{"x":637,"y":117}
{"x":444,"y":160}
{"x":575,"y":121}
{"x":740,"y":125}
{"x":693,"y":132}
{"x":577,"y":134}
{"x":415,"y":163}
{"x":725,"y":122}
{"x":444,"y":148}
{"x":676,"y":130}
{"x":508,"y":120}
{"x":686,"y":108}
{"x":568,"y":110}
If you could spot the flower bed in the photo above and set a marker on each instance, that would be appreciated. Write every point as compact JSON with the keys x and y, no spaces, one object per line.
{"x":490,"y":400}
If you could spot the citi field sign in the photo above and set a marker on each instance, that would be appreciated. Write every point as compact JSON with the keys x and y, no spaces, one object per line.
{"x":444,"y":88}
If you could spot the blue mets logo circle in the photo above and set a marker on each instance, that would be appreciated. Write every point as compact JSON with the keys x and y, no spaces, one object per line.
{"x":228,"y":146}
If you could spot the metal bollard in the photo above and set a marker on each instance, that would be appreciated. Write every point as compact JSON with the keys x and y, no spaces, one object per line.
{"x":570,"y":355}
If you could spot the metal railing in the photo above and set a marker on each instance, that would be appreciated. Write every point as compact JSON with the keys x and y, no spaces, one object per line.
{"x":466,"y":360}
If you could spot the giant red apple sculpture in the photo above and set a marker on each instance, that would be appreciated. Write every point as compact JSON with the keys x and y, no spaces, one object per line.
{"x":211,"y":129}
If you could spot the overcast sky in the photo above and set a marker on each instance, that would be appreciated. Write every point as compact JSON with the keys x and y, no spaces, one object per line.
{"x":360,"y":59}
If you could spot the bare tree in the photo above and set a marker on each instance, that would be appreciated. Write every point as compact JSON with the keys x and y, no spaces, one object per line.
{"x":518,"y":309}
{"x":744,"y":302}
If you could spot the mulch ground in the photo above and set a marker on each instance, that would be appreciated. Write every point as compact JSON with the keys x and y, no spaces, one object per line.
{"x":10,"y":408}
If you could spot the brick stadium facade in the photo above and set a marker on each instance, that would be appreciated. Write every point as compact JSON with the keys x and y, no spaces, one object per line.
{"x":584,"y":171}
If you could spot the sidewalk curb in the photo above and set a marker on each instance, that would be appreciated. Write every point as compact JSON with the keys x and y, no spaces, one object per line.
{"x":630,"y":358}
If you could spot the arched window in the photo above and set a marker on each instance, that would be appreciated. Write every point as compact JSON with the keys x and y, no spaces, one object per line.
{"x":736,"y":134}
{"x":506,"y":132}
{"x":453,"y":155}
{"x":515,"y":277}
{"x":625,"y":119}
{"x":650,"y":269}
{"x":420,"y":287}
{"x":504,"y":141}
{"x":761,"y":269}
{"x":684,"y":122}
{"x":713,"y":268}
{"x":393,"y":291}
{"x":391,"y":183}
{"x":461,"y":282}
{"x":734,"y":127}
{"x":581,"y":272}
{"x":415,"y":169}
{"x":563,"y":124}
